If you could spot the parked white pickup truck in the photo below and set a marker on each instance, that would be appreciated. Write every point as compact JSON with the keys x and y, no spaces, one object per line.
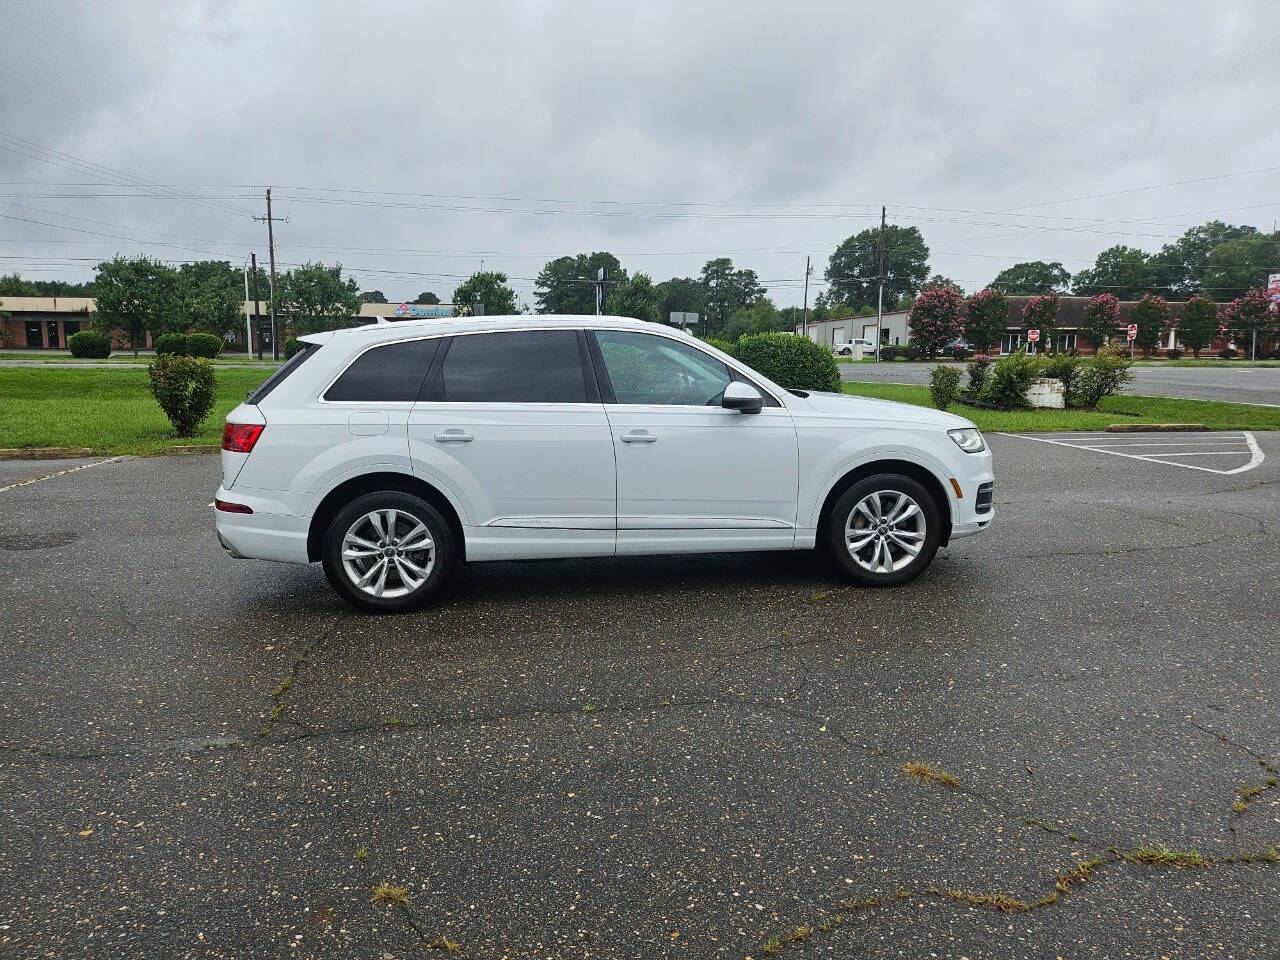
{"x":849,"y":347}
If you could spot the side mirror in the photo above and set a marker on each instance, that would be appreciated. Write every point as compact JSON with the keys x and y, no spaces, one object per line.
{"x":742,"y":397}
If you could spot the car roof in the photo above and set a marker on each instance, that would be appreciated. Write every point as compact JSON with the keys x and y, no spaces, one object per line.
{"x":399,"y":329}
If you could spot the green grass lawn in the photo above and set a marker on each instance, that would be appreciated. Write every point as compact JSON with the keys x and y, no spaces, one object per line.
{"x":108,"y":411}
{"x":1206,"y":362}
{"x":125,"y":356}
{"x":1126,"y":408}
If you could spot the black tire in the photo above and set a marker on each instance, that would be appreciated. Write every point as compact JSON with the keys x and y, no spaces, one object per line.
{"x":402,"y":593}
{"x":902,"y":566}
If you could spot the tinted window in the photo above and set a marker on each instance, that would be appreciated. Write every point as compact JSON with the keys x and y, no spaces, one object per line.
{"x":286,"y":368}
{"x":648,"y":369}
{"x":392,"y":373}
{"x":540,"y":366}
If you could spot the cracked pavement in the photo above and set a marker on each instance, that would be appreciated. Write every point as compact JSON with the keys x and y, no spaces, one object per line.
{"x":679,"y":757}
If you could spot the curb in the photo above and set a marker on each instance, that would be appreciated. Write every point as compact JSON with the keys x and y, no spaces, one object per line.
{"x":1156,"y":428}
{"x":44,"y":453}
{"x":188,"y":450}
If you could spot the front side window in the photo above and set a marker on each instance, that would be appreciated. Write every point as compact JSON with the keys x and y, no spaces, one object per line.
{"x":645,"y":369}
{"x":535,"y":366}
{"x":388,"y":374}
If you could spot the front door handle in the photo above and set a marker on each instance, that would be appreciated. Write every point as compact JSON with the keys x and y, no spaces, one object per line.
{"x":454,"y":435}
{"x":638,"y":436}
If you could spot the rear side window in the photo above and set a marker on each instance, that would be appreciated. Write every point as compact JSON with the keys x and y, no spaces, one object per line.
{"x":537,"y":366}
{"x":284,"y":370}
{"x":389,"y":374}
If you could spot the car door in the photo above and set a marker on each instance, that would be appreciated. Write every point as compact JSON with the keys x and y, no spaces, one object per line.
{"x":511,"y":424}
{"x":693,"y":475}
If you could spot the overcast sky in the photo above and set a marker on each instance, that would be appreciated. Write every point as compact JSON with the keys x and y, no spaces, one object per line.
{"x":667,"y":133}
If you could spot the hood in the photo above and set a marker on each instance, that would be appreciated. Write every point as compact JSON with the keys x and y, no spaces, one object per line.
{"x":848,"y":406}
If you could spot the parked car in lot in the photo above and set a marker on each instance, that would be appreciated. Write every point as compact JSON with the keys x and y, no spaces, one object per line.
{"x":845,"y":349}
{"x":390,"y":452}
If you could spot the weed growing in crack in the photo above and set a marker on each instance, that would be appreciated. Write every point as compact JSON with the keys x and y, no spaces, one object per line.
{"x":1042,"y":824}
{"x":588,"y":708}
{"x":391,"y":720}
{"x":391,"y":895}
{"x":1079,"y":875}
{"x":445,"y":944}
{"x":923,"y":771}
{"x":361,"y":854}
{"x":1165,"y":857}
{"x":1001,"y":902}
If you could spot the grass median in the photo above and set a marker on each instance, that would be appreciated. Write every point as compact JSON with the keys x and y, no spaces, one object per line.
{"x":105,"y":410}
{"x":1126,"y":408}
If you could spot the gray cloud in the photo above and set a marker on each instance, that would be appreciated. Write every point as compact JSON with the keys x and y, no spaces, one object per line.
{"x":967,"y":107}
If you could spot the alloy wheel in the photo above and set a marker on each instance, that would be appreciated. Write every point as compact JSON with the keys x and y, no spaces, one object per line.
{"x":388,"y":553}
{"x":885,"y":531}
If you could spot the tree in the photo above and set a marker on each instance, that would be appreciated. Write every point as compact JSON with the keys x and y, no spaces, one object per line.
{"x":1151,"y":314}
{"x":426,"y":297}
{"x":761,"y":317}
{"x":488,"y":287}
{"x":373,"y":296}
{"x":635,"y":297}
{"x":1124,"y":271}
{"x":1041,"y":313}
{"x":1200,"y":324}
{"x":938,"y":280}
{"x":1179,"y":267}
{"x":1247,"y":316}
{"x":211,"y":293}
{"x":13,"y":285}
{"x":567,"y":284}
{"x":316,"y":297}
{"x":988,"y":318}
{"x":1101,"y":314}
{"x":727,"y":290}
{"x":1235,"y":266}
{"x":1033,"y":277}
{"x":682,"y":295}
{"x":139,"y":296}
{"x":937,"y":318}
{"x":854,"y":266}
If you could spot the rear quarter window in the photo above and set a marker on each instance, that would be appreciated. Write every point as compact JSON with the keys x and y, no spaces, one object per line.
{"x":282,"y":372}
{"x":392,"y":373}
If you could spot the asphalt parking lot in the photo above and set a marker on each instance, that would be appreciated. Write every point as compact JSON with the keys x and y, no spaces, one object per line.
{"x":1236,"y":384}
{"x":685,"y":757}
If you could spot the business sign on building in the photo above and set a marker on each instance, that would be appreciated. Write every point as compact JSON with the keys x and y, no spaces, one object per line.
{"x":414,"y":310}
{"x":1273,"y":291}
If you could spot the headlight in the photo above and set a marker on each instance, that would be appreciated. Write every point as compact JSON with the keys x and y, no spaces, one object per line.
{"x":969,"y":440}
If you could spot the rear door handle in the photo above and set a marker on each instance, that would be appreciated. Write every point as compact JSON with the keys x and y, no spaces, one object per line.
{"x":454,"y":435}
{"x":638,"y":436}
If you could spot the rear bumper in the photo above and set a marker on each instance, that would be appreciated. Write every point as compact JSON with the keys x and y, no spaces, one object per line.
{"x":261,"y":535}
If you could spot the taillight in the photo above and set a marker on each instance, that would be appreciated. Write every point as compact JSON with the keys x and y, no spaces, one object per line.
{"x":240,"y":437}
{"x":227,"y":506}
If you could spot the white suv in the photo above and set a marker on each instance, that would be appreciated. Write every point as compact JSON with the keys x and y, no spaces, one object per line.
{"x":390,"y":452}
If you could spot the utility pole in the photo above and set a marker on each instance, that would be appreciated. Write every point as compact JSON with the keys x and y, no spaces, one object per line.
{"x":253,"y":257}
{"x":271,"y":282}
{"x":807,"y":270}
{"x":880,"y":287}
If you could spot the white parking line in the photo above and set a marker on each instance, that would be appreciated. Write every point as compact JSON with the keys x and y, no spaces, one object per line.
{"x":1256,"y":456}
{"x":58,"y":473}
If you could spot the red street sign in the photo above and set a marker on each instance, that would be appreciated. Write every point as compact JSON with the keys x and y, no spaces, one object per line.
{"x":1133,"y":331}
{"x":1033,"y":335}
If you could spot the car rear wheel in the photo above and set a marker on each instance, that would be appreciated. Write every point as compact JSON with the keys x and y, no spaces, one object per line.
{"x":388,"y":552}
{"x":884,"y":530}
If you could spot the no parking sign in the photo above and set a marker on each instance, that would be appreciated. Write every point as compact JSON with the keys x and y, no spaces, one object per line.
{"x":1133,"y":331}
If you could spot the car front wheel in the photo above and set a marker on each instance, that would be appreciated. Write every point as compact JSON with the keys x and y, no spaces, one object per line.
{"x":884,"y":530}
{"x":388,"y":552}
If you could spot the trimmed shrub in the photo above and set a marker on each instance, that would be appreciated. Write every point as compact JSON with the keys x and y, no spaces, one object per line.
{"x":183,"y":386}
{"x":979,"y":369}
{"x":171,"y":344}
{"x":1011,"y":375}
{"x":89,"y":345}
{"x":1066,"y":368}
{"x":724,"y":346}
{"x":944,"y":385}
{"x":204,"y":345}
{"x":1174,"y":354}
{"x":1228,"y":353}
{"x":890,"y":352}
{"x":960,"y":353}
{"x":291,"y":346}
{"x":796,"y":363}
{"x":1105,"y":373}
